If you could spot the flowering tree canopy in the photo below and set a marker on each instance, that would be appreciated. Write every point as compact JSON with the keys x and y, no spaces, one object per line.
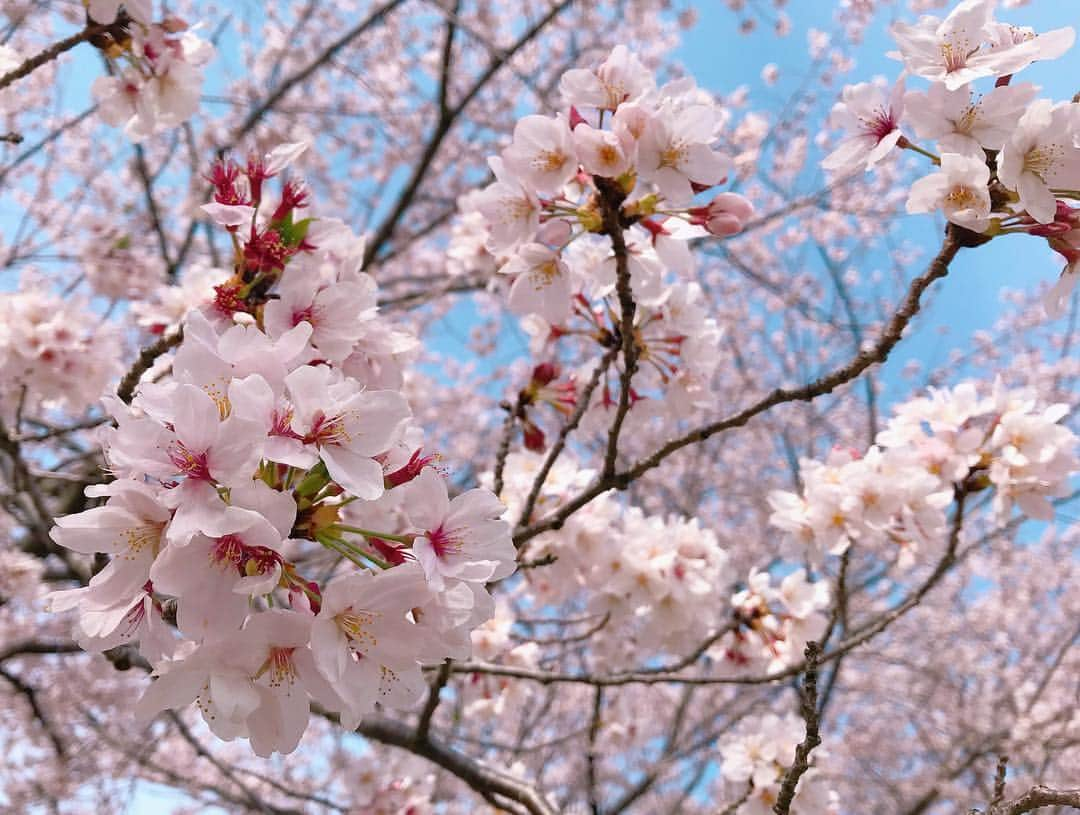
{"x":668,"y":531}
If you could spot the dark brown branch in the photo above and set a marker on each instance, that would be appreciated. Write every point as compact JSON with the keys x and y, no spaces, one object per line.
{"x":30,"y":694}
{"x":1036,"y":798}
{"x":226,"y":771}
{"x":484,"y":780}
{"x":509,"y":423}
{"x":126,"y":389}
{"x":611,"y":198}
{"x":143,"y":171}
{"x":999,"y":781}
{"x":304,"y":73}
{"x":443,"y":125}
{"x":809,"y":712}
{"x":874,"y":354}
{"x":27,"y":647}
{"x":423,"y":726}
{"x":52,"y":52}
{"x":590,"y":756}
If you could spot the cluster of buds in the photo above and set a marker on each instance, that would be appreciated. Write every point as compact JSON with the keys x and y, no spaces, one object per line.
{"x":773,"y":624}
{"x":1063,"y":236}
{"x":268,"y":244}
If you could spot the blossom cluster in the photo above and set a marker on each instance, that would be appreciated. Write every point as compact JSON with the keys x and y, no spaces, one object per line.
{"x":117,"y":268}
{"x":894,"y":498}
{"x":55,"y":351}
{"x":156,"y":69}
{"x":755,"y":757}
{"x":624,"y":160}
{"x":241,"y":478}
{"x":773,"y":624}
{"x":1007,"y":161}
{"x":648,"y":576}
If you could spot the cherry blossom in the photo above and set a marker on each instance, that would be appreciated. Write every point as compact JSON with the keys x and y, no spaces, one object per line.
{"x":460,"y":538}
{"x":1040,"y":155}
{"x":872,"y":119}
{"x":960,"y":189}
{"x":967,"y":45}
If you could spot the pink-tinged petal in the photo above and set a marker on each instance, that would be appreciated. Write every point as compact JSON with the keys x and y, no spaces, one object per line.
{"x":705,"y":166}
{"x":253,"y":398}
{"x":402,"y":686}
{"x":330,"y":648}
{"x":673,"y":185}
{"x":360,"y":475}
{"x":258,"y":584}
{"x":237,"y":450}
{"x":1037,"y":198}
{"x":927,"y":192}
{"x":1057,"y":298}
{"x":229,"y":214}
{"x":850,"y":154}
{"x":172,"y":691}
{"x":289,"y":451}
{"x":211,"y":614}
{"x":103,"y":11}
{"x":373,"y":420}
{"x":65,"y":600}
{"x":469,"y":569}
{"x":883,"y":148}
{"x":101,"y":529}
{"x":427,"y":502}
{"x":429,"y":561}
{"x":198,"y":507}
{"x":314,"y":682}
{"x":1036,"y":506}
{"x":172,"y":573}
{"x":195,"y":418}
{"x":695,"y":124}
{"x":307,"y":386}
{"x":283,"y":155}
{"x":278,"y":508}
{"x":233,"y":695}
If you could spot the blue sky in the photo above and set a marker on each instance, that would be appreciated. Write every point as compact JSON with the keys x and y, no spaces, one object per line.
{"x":968,"y":300}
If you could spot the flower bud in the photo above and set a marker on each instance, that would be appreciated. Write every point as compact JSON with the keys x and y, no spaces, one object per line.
{"x":725,"y":215}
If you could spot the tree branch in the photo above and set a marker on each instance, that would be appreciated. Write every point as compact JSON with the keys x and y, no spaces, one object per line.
{"x":876,"y":353}
{"x":52,"y":52}
{"x":126,"y":389}
{"x":813,"y":737}
{"x":485,"y":780}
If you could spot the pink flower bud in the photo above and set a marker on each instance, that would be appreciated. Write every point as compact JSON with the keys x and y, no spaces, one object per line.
{"x":725,"y":215}
{"x":534,"y":437}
